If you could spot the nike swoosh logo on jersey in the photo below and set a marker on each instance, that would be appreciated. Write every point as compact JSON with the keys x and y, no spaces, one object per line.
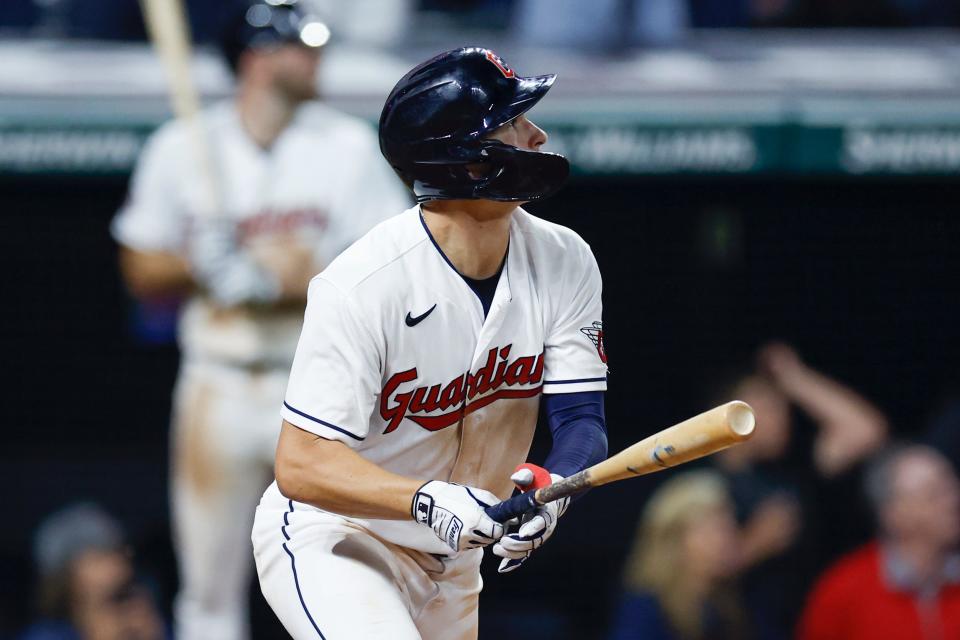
{"x":412,"y":322}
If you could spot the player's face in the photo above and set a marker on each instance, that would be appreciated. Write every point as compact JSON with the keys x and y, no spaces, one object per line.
{"x":294,"y":70}
{"x":521,"y":133}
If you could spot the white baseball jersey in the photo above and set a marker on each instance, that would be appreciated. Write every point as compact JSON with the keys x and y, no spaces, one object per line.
{"x":397,"y":361}
{"x":322,"y":184}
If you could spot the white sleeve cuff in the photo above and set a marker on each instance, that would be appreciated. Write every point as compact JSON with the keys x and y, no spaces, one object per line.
{"x":575,"y":385}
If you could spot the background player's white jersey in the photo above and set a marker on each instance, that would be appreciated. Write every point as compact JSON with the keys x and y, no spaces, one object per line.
{"x":322,"y":184}
{"x":397,"y":361}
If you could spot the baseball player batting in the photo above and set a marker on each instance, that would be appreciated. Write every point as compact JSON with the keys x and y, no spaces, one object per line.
{"x":427,"y":351}
{"x":296,"y":183}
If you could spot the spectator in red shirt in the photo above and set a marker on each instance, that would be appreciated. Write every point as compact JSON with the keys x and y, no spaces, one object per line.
{"x":906,"y":584}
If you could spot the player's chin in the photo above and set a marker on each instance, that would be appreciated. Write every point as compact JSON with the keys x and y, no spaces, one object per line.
{"x":301,"y":91}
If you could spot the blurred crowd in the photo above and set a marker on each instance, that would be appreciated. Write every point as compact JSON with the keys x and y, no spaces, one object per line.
{"x":722,"y":551}
{"x":599,"y":24}
{"x":728,"y":551}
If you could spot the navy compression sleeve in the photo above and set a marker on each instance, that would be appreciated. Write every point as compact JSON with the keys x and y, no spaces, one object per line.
{"x":579,"y":431}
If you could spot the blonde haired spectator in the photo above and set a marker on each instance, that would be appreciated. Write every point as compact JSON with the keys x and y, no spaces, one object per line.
{"x":679,"y":577}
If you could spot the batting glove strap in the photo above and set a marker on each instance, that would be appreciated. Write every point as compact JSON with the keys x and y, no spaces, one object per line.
{"x":456,"y":514}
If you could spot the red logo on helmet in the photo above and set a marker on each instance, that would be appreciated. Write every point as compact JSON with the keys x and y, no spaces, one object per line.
{"x":498,"y":63}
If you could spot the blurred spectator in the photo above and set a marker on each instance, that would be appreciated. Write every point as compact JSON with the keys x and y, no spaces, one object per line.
{"x":679,"y":576}
{"x":849,"y":428}
{"x":770,"y":500}
{"x":906,"y":584}
{"x":601,"y":25}
{"x":284,"y":184}
{"x":86,"y":584}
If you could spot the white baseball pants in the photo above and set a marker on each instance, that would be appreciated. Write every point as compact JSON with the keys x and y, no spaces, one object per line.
{"x":329,"y":579}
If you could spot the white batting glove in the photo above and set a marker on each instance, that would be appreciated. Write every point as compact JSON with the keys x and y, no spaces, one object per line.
{"x":230,"y":276}
{"x":456,"y":514}
{"x":536,"y":527}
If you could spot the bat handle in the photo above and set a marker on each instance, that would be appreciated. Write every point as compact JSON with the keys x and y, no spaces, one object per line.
{"x":515,"y":506}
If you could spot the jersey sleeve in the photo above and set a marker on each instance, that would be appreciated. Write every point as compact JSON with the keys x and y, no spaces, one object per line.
{"x":574,"y":355}
{"x":153,"y":216}
{"x":335,"y":376}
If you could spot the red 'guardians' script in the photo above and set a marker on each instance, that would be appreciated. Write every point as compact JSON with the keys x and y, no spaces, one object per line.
{"x":499,"y":374}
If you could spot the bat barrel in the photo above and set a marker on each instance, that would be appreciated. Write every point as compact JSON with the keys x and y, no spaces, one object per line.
{"x":741,"y":419}
{"x":701,"y":435}
{"x":704,"y":434}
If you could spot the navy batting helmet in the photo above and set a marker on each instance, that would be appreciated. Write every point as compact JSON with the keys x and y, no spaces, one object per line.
{"x":435,"y":122}
{"x":267,"y":23}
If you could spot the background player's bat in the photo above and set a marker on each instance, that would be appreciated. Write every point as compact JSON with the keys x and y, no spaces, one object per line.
{"x":694,"y":438}
{"x":170,"y":33}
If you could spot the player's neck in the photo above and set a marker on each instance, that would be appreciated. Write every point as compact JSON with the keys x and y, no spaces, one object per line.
{"x":473,"y":234}
{"x":264,"y":113}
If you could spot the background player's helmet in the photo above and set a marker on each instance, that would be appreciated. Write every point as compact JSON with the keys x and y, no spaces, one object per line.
{"x":434,"y":123}
{"x":267,"y":23}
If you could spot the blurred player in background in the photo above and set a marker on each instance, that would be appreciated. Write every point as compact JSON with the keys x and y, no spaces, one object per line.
{"x":295,"y":183}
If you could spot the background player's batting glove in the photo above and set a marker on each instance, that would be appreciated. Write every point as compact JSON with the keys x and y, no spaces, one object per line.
{"x":536,"y":527}
{"x":456,"y":514}
{"x":229,"y":275}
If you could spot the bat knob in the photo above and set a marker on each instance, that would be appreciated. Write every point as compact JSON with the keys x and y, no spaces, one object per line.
{"x":741,"y":418}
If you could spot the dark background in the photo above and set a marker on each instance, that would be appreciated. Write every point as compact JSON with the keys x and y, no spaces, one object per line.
{"x":859,"y":274}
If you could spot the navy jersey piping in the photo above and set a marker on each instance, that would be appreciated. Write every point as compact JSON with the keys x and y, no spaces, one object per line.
{"x":322,"y":422}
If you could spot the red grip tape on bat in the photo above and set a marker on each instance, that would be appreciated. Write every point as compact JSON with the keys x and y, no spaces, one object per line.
{"x":520,"y":504}
{"x":541,"y":477}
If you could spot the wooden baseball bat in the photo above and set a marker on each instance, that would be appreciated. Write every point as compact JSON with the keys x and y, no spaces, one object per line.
{"x":699,"y":436}
{"x":169,"y":32}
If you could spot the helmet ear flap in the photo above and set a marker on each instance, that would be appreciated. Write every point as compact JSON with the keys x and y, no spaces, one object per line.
{"x":523,"y":175}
